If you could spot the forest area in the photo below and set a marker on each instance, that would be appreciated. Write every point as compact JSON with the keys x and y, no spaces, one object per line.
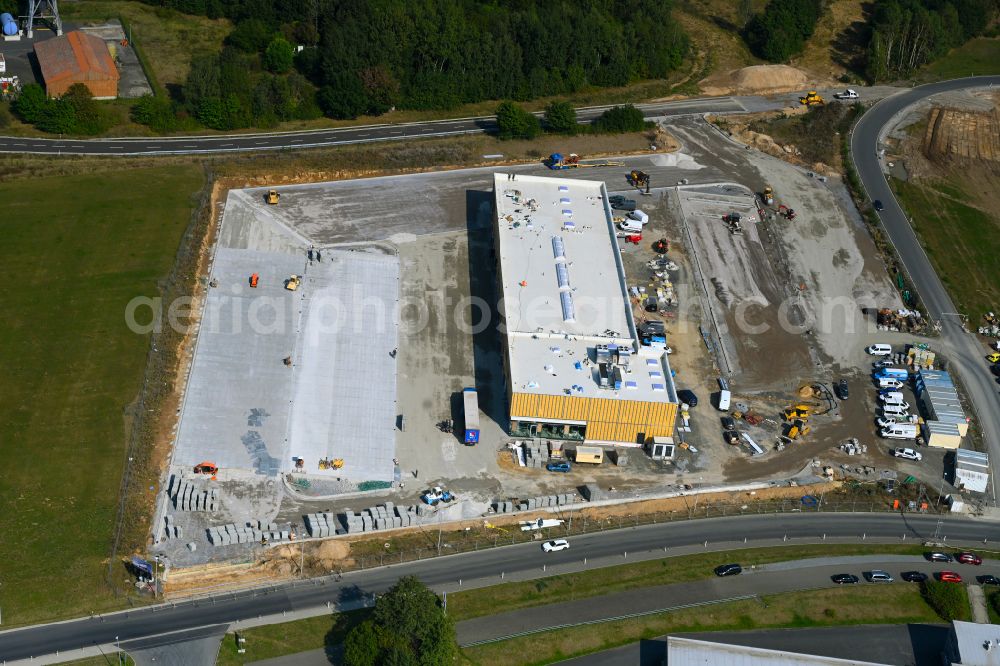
{"x":900,"y":36}
{"x":290,"y":60}
{"x":907,"y":34}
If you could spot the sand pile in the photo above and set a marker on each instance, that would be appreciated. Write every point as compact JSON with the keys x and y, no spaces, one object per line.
{"x":769,"y":79}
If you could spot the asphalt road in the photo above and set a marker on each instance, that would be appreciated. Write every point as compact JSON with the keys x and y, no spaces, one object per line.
{"x":768,"y":579}
{"x":372,"y":133}
{"x":328,"y":137}
{"x":152,"y":621}
{"x":965,"y":354}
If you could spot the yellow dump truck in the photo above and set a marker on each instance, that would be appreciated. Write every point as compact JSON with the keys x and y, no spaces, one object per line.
{"x":589,"y":454}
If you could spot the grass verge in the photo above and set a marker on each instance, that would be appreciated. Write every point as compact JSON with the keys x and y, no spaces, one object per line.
{"x":325,"y":631}
{"x":566,"y":587}
{"x":962,"y":241}
{"x":895,"y":604}
{"x":974,"y":58}
{"x":78,"y":249}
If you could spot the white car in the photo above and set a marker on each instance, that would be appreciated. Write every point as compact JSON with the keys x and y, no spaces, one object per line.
{"x":555,"y":545}
{"x":847,"y":94}
{"x":885,"y":422}
{"x":879,"y":349}
{"x":908,"y":454}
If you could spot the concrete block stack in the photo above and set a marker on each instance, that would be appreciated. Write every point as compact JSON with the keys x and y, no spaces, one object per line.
{"x":188,"y":496}
{"x":170,"y":530}
{"x":536,"y":453}
{"x":320,"y":525}
{"x":386,"y":516}
{"x":252,"y":532}
{"x":533,"y":503}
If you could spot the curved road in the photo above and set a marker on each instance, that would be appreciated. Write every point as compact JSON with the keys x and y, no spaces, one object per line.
{"x":965,"y":353}
{"x":488,"y":564}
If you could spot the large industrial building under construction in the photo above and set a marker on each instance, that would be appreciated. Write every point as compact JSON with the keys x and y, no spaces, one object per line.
{"x":573,"y":362}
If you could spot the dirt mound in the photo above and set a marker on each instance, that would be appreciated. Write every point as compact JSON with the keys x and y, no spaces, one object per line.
{"x":769,"y":78}
{"x":963,"y":136}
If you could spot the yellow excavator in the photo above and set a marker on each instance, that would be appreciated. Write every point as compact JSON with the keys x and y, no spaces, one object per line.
{"x":273,"y":197}
{"x":797,"y":412}
{"x":293,"y":282}
{"x":812,"y":98}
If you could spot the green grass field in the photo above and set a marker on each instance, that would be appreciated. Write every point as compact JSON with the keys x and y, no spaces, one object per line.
{"x":976,"y":57}
{"x":963,"y":242}
{"x":76,"y":249}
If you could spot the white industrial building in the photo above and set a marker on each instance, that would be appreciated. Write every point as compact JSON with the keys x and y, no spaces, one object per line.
{"x":573,"y":362}
{"x":972,"y":471}
{"x":971,"y":644}
{"x":946,"y":422}
{"x":692,"y":652}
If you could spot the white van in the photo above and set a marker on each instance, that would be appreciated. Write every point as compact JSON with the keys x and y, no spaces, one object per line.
{"x":896,"y":403}
{"x":896,"y":411}
{"x":639,"y":216}
{"x":879,"y":350}
{"x":900,"y":431}
{"x":631,"y":225}
{"x":892,"y":397}
{"x":724,"y":399}
{"x":888,"y":383}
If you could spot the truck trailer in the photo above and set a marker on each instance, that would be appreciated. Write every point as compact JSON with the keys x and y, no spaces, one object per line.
{"x":471,"y":403}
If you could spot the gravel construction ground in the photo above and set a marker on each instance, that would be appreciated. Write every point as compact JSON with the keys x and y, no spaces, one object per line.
{"x":792,"y":276}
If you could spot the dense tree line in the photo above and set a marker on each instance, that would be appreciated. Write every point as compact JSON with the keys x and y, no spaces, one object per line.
{"x":369,"y":56}
{"x":782,"y":29}
{"x":909,"y":33}
{"x":75,"y":112}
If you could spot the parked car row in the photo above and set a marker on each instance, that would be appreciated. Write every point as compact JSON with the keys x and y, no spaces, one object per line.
{"x":882,"y":576}
{"x":894,"y":420}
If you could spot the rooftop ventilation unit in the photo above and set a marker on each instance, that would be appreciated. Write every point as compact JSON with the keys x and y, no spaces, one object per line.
{"x":568,"y":312}
{"x":562,"y":275}
{"x":558,"y":248}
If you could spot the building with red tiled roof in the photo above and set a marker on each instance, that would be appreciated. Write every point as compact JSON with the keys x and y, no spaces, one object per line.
{"x":77,"y":57}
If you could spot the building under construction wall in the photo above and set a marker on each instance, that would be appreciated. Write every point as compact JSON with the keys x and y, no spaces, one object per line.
{"x":573,"y":364}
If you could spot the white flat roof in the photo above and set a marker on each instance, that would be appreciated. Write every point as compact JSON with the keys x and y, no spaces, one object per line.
{"x":692,"y":652}
{"x":563,"y":291}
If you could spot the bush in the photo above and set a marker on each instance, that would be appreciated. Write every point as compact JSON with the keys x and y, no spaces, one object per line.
{"x":250,"y":36}
{"x":513,"y":122}
{"x":947,"y":599}
{"x":279,"y":55}
{"x":30,"y":103}
{"x":781,"y":30}
{"x":157,"y":113}
{"x":621,"y":119}
{"x":560,"y":117}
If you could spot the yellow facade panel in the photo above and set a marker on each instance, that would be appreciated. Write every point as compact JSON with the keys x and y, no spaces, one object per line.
{"x":599,"y":430}
{"x":576,"y":409}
